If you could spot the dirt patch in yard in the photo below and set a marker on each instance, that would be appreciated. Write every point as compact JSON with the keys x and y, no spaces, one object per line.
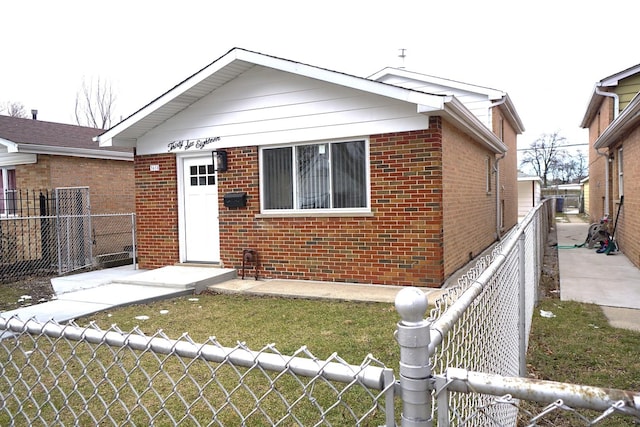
{"x":549,"y":286}
{"x":33,"y":290}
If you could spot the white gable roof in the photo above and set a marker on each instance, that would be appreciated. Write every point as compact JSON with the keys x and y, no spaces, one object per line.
{"x":238,"y":62}
{"x":478,"y":99}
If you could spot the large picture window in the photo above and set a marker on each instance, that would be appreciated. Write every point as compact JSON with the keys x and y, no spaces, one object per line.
{"x":323,"y":176}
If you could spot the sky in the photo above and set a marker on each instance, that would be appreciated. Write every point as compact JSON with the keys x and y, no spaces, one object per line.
{"x":547,"y":55}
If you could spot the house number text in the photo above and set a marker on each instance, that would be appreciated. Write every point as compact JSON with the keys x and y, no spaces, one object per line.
{"x":186,"y":144}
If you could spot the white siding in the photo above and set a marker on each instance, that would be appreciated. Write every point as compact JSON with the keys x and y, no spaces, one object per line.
{"x":528,"y":196}
{"x":266,"y":106}
{"x":478,"y":103}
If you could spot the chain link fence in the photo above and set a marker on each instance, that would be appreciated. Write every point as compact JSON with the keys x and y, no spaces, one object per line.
{"x":465,"y":364}
{"x":49,"y":245}
{"x":46,"y":232}
{"x":462,"y":365}
{"x":69,"y":375}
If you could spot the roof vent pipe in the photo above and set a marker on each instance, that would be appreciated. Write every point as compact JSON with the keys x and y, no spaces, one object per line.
{"x":34,"y":114}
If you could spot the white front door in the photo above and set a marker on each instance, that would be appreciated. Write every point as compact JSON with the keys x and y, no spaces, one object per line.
{"x":201,"y":227}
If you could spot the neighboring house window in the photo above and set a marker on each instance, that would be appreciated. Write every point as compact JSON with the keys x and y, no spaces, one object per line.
{"x":321,"y":177}
{"x":620,"y":174}
{"x":7,"y":191}
{"x":488,"y":167}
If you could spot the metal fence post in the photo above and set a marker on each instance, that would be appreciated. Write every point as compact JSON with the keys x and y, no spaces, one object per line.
{"x":133,"y":241}
{"x":415,"y":372}
{"x":522,"y":302}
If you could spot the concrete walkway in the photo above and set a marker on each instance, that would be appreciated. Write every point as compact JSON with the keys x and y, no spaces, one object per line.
{"x":610,"y":281}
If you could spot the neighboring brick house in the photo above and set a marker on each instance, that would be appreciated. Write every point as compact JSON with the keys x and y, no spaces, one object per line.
{"x":37,"y":155}
{"x":327,"y":176}
{"x":613,"y":121}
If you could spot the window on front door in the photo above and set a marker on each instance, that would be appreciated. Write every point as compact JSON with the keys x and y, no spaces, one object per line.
{"x":315,"y":177}
{"x":202,"y":175}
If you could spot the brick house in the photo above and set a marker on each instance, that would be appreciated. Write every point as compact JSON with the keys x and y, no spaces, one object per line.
{"x":38,"y":155}
{"x":389,"y":180}
{"x":613,"y":120}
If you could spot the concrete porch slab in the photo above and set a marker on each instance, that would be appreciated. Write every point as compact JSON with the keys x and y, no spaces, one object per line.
{"x":180,"y":277}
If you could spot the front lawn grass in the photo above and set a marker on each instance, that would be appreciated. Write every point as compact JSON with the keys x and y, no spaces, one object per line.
{"x":93,"y":384}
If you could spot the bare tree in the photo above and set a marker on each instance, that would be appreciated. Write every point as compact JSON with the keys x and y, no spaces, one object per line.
{"x":15,"y":109}
{"x":545,"y":154}
{"x":94,"y":104}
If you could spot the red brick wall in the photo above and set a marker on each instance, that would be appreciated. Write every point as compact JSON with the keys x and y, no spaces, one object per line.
{"x":469,"y":211}
{"x":157,"y":211}
{"x":400,"y":244}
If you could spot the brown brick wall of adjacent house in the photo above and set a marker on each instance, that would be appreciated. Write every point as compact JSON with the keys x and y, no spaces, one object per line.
{"x":469,"y":211}
{"x":597,"y":182}
{"x":157,"y":211}
{"x":400,"y":244}
{"x":628,"y":231}
{"x":110,"y":182}
{"x":508,"y":169}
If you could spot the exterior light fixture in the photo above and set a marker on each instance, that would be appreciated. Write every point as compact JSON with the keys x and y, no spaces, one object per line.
{"x":221,"y":157}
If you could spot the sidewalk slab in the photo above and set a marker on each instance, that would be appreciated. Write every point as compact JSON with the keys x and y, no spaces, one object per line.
{"x":182,"y":277}
{"x":589,"y":277}
{"x":91,"y":279}
{"x":73,"y":305}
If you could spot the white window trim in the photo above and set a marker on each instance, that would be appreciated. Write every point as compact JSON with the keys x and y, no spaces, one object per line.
{"x":316,"y":212}
{"x":4,"y":176}
{"x":488,"y":173}
{"x":620,"y":173}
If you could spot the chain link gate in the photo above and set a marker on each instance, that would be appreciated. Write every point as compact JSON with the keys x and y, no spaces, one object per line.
{"x":73,"y":229}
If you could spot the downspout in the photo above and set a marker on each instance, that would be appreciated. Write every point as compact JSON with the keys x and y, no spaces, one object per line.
{"x":496,"y":169}
{"x":616,"y":109}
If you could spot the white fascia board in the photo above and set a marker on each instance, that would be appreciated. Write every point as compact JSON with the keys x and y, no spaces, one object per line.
{"x":75,"y":152}
{"x":14,"y":159}
{"x":614,"y":79}
{"x":628,"y":119}
{"x":11,"y":146}
{"x":472,"y":126}
{"x":512,"y":115}
{"x":341,"y":79}
{"x":592,"y":107}
{"x":491,"y":94}
{"x":106,"y":139}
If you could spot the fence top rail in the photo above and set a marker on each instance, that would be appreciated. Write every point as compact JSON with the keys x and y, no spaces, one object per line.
{"x":573,"y":395}
{"x":441,"y":326}
{"x":332,"y":369}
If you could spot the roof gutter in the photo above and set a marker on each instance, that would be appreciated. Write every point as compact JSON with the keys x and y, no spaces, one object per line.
{"x":74,"y":152}
{"x":454,"y":109}
{"x":616,"y":99}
